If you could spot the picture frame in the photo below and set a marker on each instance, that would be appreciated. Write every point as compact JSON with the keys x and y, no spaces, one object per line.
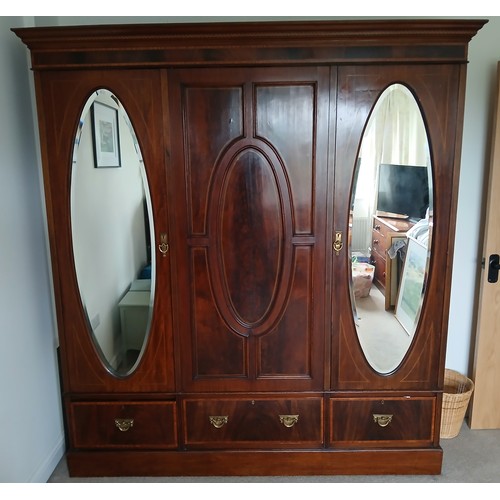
{"x":105,"y":135}
{"x":412,"y":286}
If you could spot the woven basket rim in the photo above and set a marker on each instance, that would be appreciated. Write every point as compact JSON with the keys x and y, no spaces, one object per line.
{"x":457,"y":377}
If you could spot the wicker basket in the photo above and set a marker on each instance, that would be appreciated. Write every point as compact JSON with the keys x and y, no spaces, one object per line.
{"x":456,"y":396}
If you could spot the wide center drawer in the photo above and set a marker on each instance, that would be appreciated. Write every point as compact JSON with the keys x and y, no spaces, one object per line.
{"x":144,"y":424}
{"x":253,"y":422}
{"x":393,"y":421}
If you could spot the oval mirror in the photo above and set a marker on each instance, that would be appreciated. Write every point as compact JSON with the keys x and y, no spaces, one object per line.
{"x":390,"y":228}
{"x":111,"y":230}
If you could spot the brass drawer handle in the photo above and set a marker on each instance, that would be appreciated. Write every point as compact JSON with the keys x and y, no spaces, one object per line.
{"x":124,"y":424}
{"x":289,"y":420}
{"x":218,"y":420}
{"x":382,"y":420}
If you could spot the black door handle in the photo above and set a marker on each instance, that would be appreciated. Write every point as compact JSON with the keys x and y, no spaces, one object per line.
{"x":493,"y":268}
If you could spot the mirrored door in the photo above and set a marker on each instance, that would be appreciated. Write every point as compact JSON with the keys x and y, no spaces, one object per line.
{"x":387,"y":303}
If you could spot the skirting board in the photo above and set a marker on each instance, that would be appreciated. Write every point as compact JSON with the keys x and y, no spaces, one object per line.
{"x":46,"y":468}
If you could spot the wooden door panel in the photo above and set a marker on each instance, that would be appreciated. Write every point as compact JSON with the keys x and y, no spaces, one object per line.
{"x":290,"y":130}
{"x":213,"y":118}
{"x":63,"y":95}
{"x":217,"y":352}
{"x":436,"y":89}
{"x":287,"y":349}
{"x":250,"y":225}
{"x":250,"y":234}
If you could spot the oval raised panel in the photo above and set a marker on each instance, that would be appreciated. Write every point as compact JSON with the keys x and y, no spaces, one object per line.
{"x":111,"y":223}
{"x":391,"y":228}
{"x":251,"y":235}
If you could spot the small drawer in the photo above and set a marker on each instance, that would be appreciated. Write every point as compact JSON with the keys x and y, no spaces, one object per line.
{"x":380,"y":271}
{"x":379,"y":244}
{"x":145,"y":424}
{"x":253,"y":423}
{"x":378,"y":422}
{"x":379,"y":233}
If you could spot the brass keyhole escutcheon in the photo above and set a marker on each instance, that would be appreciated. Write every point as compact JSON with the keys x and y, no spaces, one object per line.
{"x":338,"y":243}
{"x":163,"y":246}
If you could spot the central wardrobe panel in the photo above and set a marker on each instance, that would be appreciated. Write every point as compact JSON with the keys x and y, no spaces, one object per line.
{"x":250,"y":190}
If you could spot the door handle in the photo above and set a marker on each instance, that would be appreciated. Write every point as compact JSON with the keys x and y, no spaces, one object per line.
{"x":493,"y":268}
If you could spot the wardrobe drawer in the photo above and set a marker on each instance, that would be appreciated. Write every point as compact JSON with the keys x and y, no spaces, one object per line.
{"x":145,"y":424}
{"x":379,"y":242}
{"x":380,"y":271}
{"x":253,"y":423}
{"x":393,"y":421}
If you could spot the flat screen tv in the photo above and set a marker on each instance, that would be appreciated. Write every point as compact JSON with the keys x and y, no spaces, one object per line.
{"x":403,"y":190}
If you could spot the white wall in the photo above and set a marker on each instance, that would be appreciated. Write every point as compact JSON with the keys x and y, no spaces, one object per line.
{"x":484,"y":52}
{"x":30,"y":421}
{"x":31,"y":432}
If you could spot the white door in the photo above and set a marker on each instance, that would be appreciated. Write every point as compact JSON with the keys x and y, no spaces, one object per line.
{"x":485,"y":405}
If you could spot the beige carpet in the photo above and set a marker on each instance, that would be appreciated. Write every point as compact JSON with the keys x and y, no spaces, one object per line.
{"x":383,"y":339}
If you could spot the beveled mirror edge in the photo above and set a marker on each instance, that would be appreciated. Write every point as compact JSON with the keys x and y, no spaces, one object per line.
{"x":125,"y":127}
